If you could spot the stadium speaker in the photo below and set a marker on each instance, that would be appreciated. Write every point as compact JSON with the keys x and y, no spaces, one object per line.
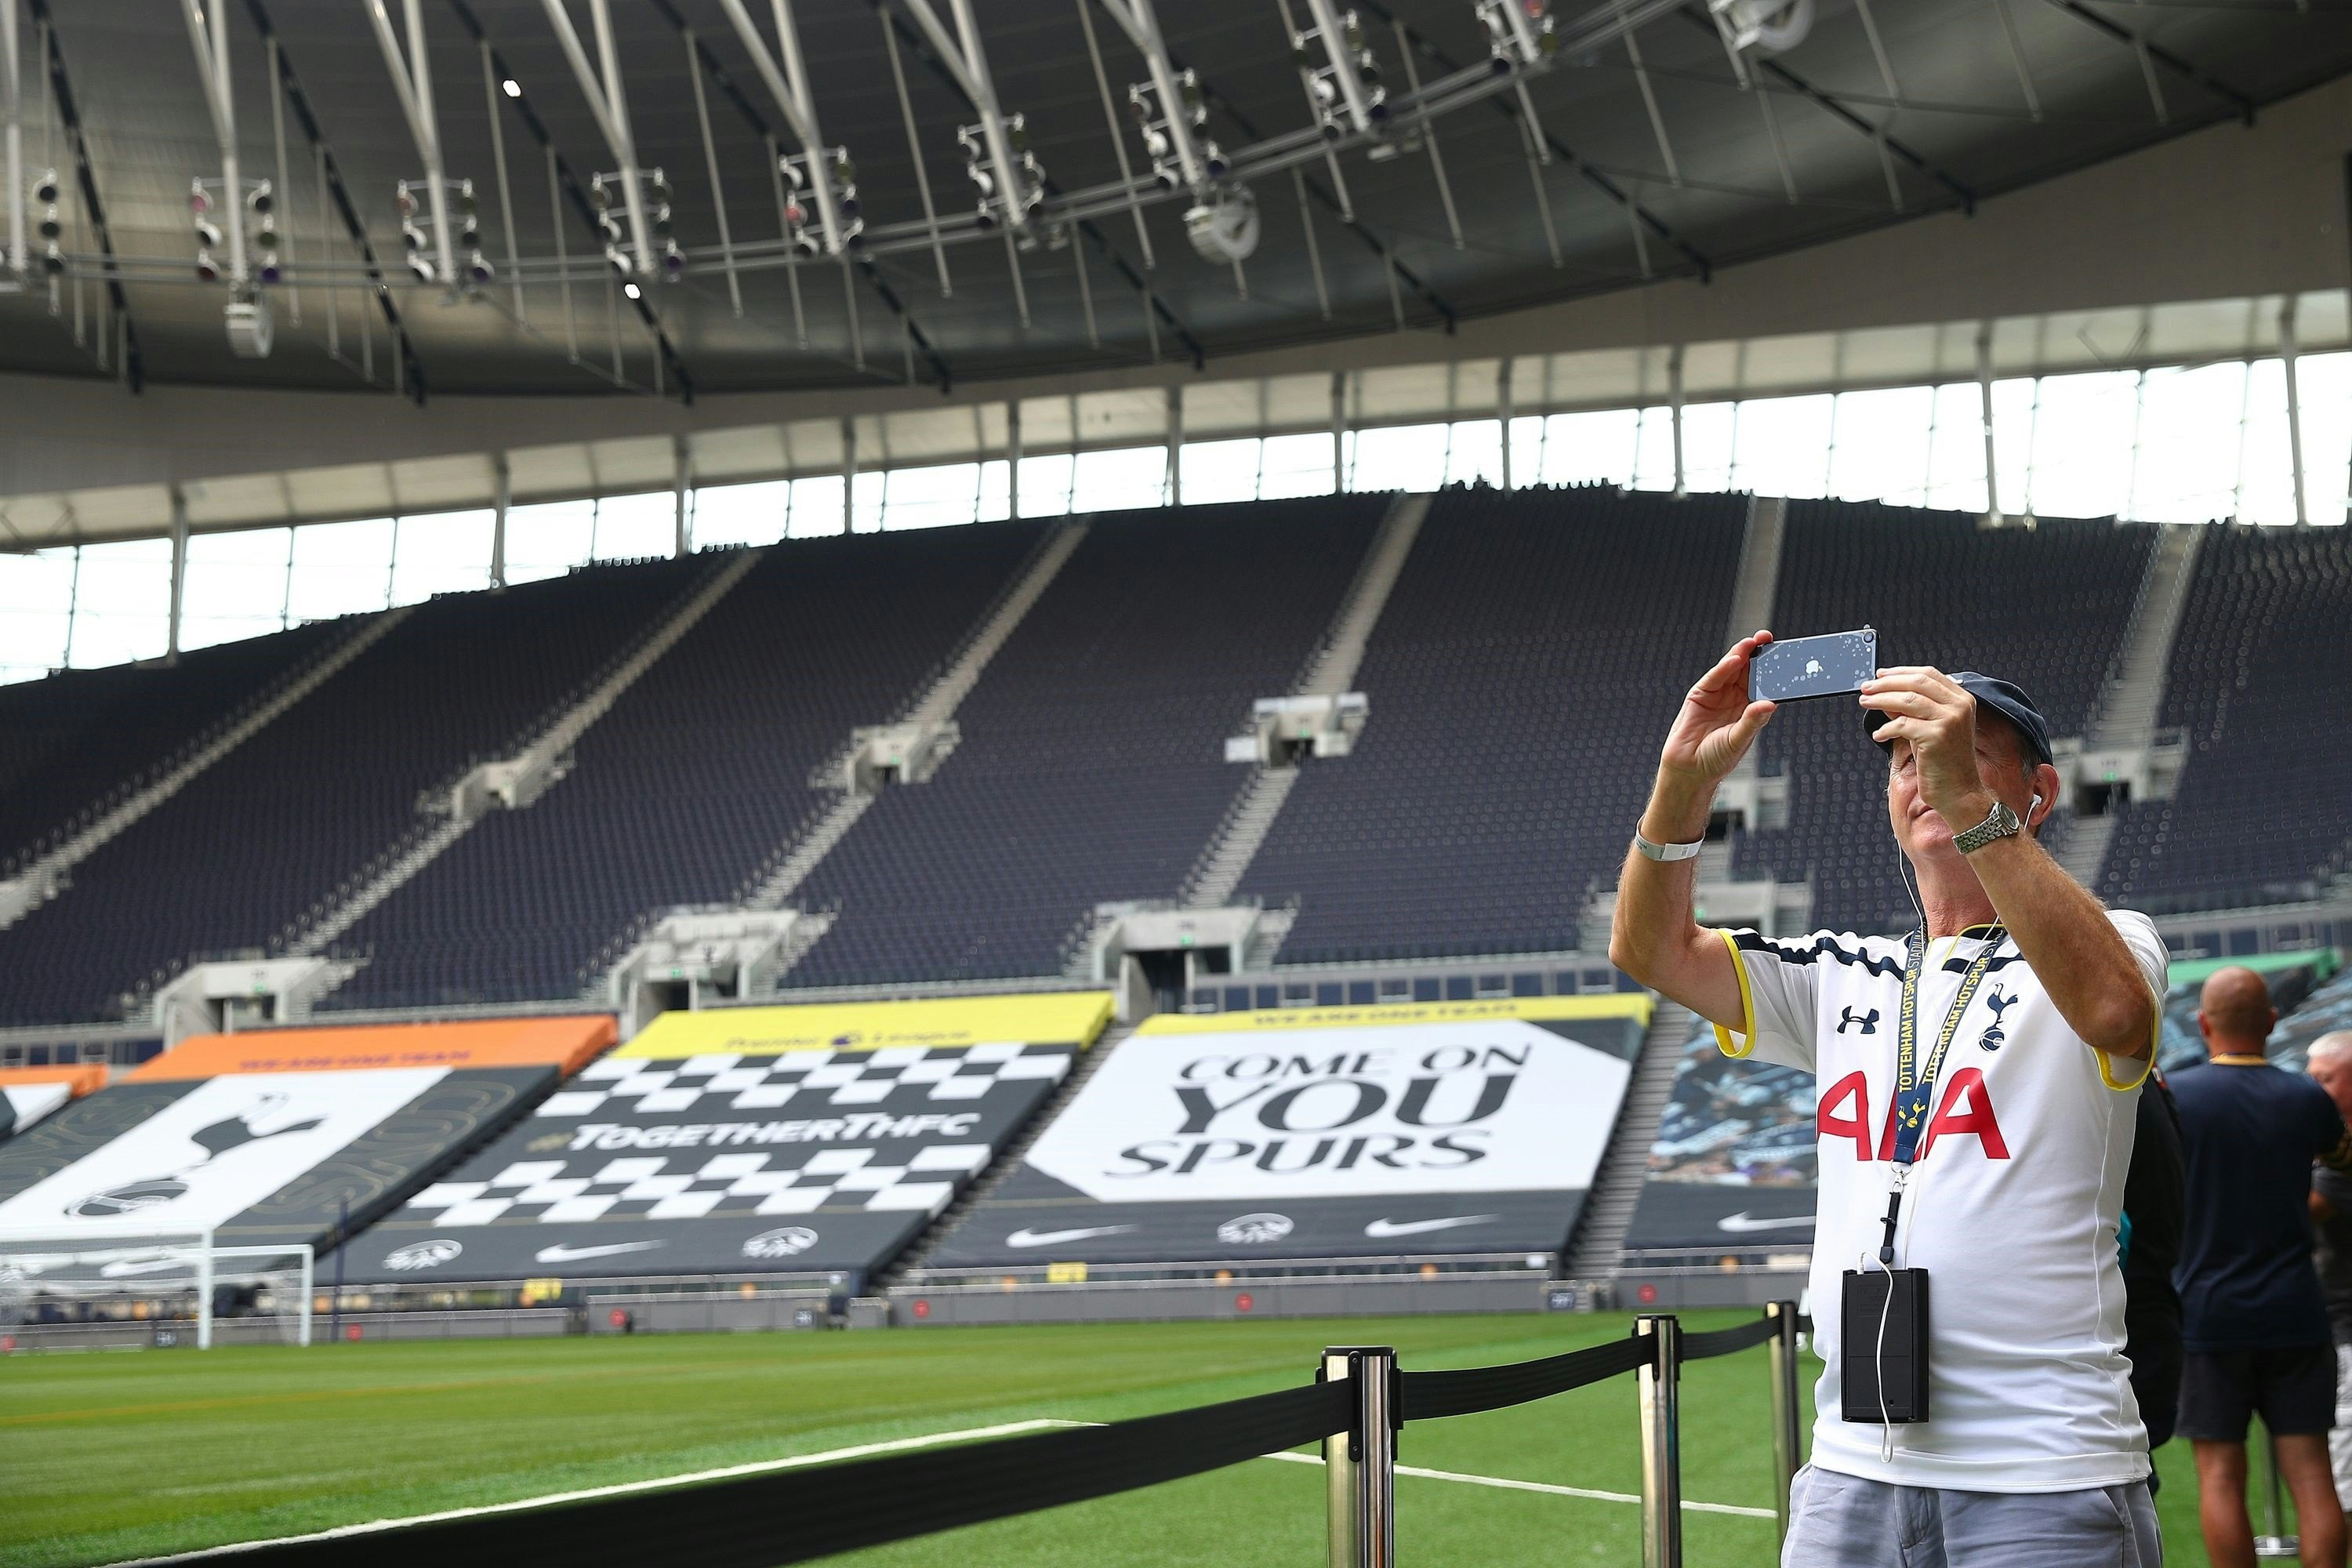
{"x":250,"y":330}
{"x":1224,"y":227}
{"x":1773,"y":26}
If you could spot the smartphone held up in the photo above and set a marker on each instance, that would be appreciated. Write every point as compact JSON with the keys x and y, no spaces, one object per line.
{"x":1812,"y":667}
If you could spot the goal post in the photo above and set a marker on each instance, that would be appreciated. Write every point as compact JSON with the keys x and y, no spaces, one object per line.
{"x":159,"y":1275}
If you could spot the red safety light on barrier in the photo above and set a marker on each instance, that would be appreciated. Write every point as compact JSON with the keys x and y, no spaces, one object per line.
{"x":1647,"y":1295}
{"x":619,"y":1319}
{"x":352,"y":1332}
{"x":922,"y":1309}
{"x":1244,"y":1302}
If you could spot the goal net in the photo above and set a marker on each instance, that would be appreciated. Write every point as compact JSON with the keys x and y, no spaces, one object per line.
{"x":179,"y":1281}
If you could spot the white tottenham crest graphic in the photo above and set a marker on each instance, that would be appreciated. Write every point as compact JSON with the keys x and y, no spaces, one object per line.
{"x":1255,"y":1230}
{"x":215,"y":1151}
{"x":419,"y":1255}
{"x":788,"y":1241}
{"x":1492,"y":1105}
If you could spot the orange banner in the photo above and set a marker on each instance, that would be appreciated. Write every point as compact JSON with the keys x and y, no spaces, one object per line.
{"x":564,"y":1043}
{"x":86,"y":1079}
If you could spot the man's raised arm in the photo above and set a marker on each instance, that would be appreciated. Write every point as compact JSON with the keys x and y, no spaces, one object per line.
{"x":1654,"y":937}
{"x":2064,"y":931}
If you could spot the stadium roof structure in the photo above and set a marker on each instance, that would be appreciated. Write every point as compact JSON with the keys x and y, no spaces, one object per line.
{"x":1497,"y":175}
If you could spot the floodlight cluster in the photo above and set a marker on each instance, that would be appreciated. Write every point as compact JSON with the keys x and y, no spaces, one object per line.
{"x":803,"y":227}
{"x":608,"y":194}
{"x":416,"y":229}
{"x":257,"y":211}
{"x":45,"y":197}
{"x":1156,"y":121}
{"x":1349,"y":52}
{"x":1026,"y":177}
{"x":1518,"y":32}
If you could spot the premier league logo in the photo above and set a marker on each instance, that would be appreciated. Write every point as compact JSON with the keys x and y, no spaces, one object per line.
{"x":1993,"y":1039}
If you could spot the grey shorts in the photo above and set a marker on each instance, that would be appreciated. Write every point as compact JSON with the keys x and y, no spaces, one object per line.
{"x":1844,"y":1522}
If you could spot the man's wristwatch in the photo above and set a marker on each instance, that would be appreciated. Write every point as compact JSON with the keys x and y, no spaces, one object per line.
{"x":2001,"y":824}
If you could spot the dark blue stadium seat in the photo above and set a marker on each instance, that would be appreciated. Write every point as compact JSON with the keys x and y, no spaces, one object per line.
{"x":2047,"y":607}
{"x":2262,"y":812}
{"x":80,"y":739}
{"x":677,"y":794}
{"x":1091,"y":766}
{"x":292,"y":816}
{"x":1520,"y":678}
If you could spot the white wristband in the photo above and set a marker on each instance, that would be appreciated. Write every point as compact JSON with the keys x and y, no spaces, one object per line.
{"x":1666,"y":851}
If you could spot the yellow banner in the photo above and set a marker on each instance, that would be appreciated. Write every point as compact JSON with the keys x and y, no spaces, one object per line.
{"x":1636,"y":1006}
{"x":1062,"y":1017}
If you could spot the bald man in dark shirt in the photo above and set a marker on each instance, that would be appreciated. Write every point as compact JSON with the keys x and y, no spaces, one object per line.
{"x":2256,"y":1323}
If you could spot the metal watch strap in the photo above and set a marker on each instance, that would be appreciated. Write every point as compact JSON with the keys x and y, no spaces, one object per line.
{"x":2001,"y":824}
{"x":1651,"y":849}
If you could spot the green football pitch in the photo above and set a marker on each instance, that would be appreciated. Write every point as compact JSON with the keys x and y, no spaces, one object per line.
{"x":105,"y":1457}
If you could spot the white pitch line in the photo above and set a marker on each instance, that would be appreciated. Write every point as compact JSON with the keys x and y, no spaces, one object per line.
{"x":796,"y":1461}
{"x":1505,"y":1485}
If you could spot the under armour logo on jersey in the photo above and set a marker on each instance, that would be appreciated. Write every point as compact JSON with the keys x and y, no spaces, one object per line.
{"x":1993,"y":1039}
{"x":1867,"y":1023}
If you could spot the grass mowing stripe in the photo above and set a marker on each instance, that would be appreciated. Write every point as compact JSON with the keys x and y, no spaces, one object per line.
{"x":297,"y":1396}
{"x":857,"y":1451}
{"x":1506,"y":1484}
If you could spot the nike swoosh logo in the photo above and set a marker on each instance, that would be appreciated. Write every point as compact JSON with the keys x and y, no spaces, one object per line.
{"x":1380,"y":1228}
{"x":1027,"y":1238}
{"x":1736,"y":1223}
{"x":562,"y":1253}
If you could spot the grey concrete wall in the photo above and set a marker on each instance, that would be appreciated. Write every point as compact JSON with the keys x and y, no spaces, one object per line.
{"x":1673,"y":1290}
{"x":709,"y":1314}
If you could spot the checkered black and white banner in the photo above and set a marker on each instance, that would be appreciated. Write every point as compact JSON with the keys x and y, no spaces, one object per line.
{"x":644,"y":1166}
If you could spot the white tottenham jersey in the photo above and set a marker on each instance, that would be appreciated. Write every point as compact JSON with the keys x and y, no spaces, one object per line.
{"x":2012,"y":1204}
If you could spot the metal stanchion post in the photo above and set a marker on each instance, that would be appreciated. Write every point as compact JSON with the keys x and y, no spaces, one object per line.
{"x":1788,"y":1434}
{"x":2277,"y":1543}
{"x":1662,"y":1457}
{"x":1360,"y":1464}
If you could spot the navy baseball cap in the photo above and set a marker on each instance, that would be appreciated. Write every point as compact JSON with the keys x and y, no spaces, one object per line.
{"x":2005,"y":698}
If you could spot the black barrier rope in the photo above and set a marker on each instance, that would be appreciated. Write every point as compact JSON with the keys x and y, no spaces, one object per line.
{"x":761,"y":1520}
{"x":1728,"y":1342}
{"x":1432,"y":1395}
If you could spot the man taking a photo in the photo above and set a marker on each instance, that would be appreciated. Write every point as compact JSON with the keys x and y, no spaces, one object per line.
{"x":1982,"y":1076}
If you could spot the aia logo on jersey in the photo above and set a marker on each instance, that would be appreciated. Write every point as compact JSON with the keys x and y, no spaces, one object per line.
{"x":1993,"y":1039}
{"x":1965,"y":1106}
{"x":1867,"y":1023}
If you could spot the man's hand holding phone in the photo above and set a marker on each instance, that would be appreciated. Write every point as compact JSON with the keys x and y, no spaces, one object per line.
{"x":1715,"y":726}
